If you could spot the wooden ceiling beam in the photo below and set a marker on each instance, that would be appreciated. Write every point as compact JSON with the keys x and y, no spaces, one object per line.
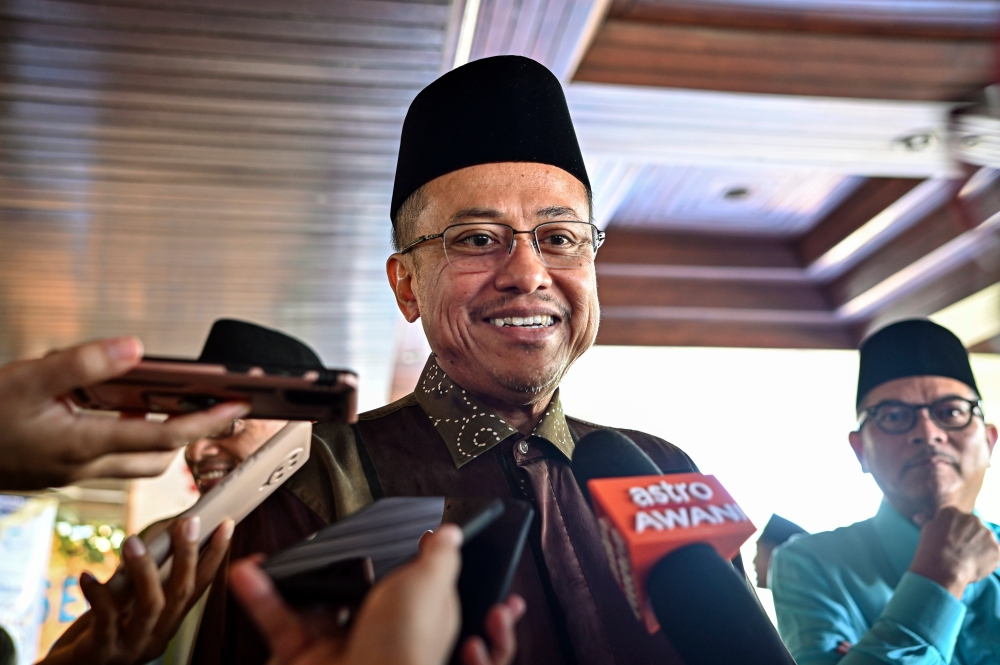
{"x":919,"y":241}
{"x":692,"y":249}
{"x":869,"y":221}
{"x":689,"y":294}
{"x":105,"y":38}
{"x":967,"y":279}
{"x":280,"y":26}
{"x":988,"y":346}
{"x":732,"y":334}
{"x":955,"y":20}
{"x":790,"y":63}
{"x":872,"y":197}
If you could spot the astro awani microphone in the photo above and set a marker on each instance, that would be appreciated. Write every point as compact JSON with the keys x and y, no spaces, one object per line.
{"x":642,"y":518}
{"x":668,"y":540}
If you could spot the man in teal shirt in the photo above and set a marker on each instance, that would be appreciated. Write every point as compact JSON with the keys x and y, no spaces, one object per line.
{"x":919,"y":583}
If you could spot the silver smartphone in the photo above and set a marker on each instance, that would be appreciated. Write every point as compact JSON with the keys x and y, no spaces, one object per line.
{"x":235,"y":497}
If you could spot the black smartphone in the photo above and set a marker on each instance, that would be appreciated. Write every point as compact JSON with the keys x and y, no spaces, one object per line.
{"x":339,"y":564}
{"x":489,"y":561}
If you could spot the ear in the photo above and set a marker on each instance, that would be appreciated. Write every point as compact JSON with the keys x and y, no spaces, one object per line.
{"x":858,"y":445}
{"x":991,"y":437}
{"x":401,"y":280}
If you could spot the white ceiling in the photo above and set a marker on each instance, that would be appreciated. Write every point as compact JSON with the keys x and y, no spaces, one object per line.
{"x":762,"y":201}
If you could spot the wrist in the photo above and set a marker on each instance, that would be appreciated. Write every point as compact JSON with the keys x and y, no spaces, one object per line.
{"x":950,"y":580}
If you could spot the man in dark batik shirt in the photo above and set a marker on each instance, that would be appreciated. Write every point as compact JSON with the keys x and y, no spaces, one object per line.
{"x":495,"y":255}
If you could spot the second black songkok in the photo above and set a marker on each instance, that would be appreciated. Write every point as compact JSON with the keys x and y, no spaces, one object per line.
{"x":502,"y":109}
{"x":239,"y":344}
{"x":916,"y":347}
{"x":778,"y":530}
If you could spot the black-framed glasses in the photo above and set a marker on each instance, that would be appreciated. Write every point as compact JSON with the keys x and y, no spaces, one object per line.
{"x":950,"y":413}
{"x":485,"y":246}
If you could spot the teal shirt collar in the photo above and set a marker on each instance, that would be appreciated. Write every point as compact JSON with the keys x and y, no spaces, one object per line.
{"x":899,"y":537}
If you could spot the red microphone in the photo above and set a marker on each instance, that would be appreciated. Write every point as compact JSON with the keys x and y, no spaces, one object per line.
{"x":644,"y":518}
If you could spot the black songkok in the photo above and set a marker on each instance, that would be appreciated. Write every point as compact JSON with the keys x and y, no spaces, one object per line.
{"x":778,"y":530}
{"x":916,"y":347}
{"x":241,"y":345}
{"x":502,"y":109}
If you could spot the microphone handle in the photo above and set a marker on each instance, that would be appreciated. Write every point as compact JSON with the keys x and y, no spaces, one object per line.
{"x":709,"y":614}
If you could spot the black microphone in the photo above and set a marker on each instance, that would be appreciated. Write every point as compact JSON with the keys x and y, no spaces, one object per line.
{"x":703,"y":606}
{"x":605,"y":453}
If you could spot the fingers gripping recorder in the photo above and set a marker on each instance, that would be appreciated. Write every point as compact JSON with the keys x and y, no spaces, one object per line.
{"x":642,"y":519}
{"x":236,"y":495}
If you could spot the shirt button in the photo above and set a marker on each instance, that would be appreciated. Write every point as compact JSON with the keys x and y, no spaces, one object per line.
{"x":523,"y":447}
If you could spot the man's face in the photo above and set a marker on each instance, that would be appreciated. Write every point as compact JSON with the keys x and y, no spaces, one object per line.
{"x":762,"y":561}
{"x":210,"y":460}
{"x":517,"y":365}
{"x":928,"y":467}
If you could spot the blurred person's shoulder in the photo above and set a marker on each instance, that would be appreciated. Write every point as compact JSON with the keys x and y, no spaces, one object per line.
{"x":841,"y":547}
{"x":334,"y":482}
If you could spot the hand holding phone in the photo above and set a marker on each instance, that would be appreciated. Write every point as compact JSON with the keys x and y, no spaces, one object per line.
{"x":173,"y":386}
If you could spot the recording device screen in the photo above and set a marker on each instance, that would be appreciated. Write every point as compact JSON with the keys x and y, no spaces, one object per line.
{"x":174,"y":386}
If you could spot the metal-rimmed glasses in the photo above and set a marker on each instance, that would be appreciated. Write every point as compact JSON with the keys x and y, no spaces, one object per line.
{"x":485,"y":246}
{"x":235,"y":427}
{"x":950,"y":413}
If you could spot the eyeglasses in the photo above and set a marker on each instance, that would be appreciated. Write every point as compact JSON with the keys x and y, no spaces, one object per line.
{"x":485,"y":246}
{"x":950,"y":413}
{"x":236,"y":427}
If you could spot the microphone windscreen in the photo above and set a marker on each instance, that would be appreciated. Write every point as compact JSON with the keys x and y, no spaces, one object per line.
{"x":707,"y":612}
{"x":605,"y":453}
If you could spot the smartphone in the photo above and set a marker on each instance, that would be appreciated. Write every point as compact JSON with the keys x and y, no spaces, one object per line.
{"x":489,"y":561}
{"x":234,"y":497}
{"x":174,"y":386}
{"x":339,"y":564}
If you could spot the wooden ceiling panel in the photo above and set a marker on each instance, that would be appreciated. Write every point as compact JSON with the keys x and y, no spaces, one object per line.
{"x":872,"y":197}
{"x":209,"y":44}
{"x":164,"y":163}
{"x":785,"y":62}
{"x":918,"y":241}
{"x":616,"y":291}
{"x":714,"y":333}
{"x":110,"y":64}
{"x":280,"y":24}
{"x":692,"y":249}
{"x":958,"y":18}
{"x":969,"y":278}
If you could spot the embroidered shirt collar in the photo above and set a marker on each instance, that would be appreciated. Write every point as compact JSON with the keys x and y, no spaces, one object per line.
{"x":469,"y":427}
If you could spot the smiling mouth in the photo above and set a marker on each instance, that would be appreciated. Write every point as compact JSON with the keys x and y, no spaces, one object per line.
{"x":208,"y":476}
{"x":536,"y":321}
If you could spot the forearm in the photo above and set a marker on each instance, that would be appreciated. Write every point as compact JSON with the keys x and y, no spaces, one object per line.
{"x":919,"y":626}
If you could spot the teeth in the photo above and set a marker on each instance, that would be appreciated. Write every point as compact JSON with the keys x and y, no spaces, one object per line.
{"x":536,"y":321}
{"x":212,"y":475}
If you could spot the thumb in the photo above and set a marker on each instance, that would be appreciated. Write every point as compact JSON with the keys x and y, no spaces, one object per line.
{"x":920,"y":519}
{"x":93,"y":362}
{"x":440,"y":553}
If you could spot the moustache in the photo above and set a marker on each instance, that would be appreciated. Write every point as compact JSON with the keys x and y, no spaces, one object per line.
{"x":928,"y":456}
